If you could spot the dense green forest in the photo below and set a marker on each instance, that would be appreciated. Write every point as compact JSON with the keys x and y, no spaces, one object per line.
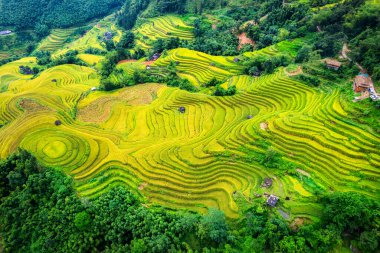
{"x":40,"y":212}
{"x":44,"y":14}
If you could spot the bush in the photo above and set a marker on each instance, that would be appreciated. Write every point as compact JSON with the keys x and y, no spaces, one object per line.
{"x":220,"y":91}
{"x":310,"y":80}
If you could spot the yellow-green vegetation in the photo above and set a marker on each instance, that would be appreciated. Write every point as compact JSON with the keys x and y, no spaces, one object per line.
{"x":10,"y":72}
{"x":198,"y":67}
{"x":286,"y":47}
{"x":56,"y":40}
{"x":164,"y":27}
{"x":137,"y":137}
{"x":91,"y":59}
{"x":94,"y":37}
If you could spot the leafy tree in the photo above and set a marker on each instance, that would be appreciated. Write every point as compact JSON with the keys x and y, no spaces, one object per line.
{"x":82,"y":220}
{"x":127,"y":41}
{"x":303,"y":54}
{"x":213,"y":226}
{"x":42,"y":30}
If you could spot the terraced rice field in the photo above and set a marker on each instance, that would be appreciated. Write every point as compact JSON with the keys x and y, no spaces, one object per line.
{"x":199,"y":67}
{"x":90,"y":58}
{"x":93,"y":38}
{"x":55,"y":40}
{"x":10,"y":72}
{"x":162,"y":28}
{"x":137,"y":137}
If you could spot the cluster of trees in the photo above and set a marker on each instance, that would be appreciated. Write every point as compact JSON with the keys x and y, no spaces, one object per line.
{"x":167,"y":6}
{"x":277,"y":22}
{"x":41,"y":212}
{"x":129,"y":13}
{"x":70,"y":57}
{"x":219,"y":41}
{"x":265,"y":64}
{"x":45,"y":14}
{"x":220,"y":91}
{"x":26,"y":70}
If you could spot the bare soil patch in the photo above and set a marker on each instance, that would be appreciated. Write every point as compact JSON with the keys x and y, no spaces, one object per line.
{"x":303,"y":172}
{"x":243,"y":40}
{"x":297,"y":223}
{"x":264,"y":126}
{"x":126,"y":61}
{"x":30,"y":105}
{"x":142,"y":186}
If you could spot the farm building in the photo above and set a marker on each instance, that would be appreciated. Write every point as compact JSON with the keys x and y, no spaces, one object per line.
{"x":361,"y":83}
{"x":333,"y":64}
{"x":364,"y":84}
{"x":108,"y":35}
{"x":267,"y":182}
{"x":155,"y":56}
{"x":7,"y":32}
{"x":272,"y":200}
{"x":182,"y":109}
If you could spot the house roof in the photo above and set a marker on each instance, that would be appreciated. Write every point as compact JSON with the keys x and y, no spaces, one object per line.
{"x":5,"y":32}
{"x":272,"y":200}
{"x":362,"y":81}
{"x":268,"y":181}
{"x":333,"y":62}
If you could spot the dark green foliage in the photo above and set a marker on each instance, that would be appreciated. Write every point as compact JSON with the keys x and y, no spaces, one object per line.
{"x":70,"y":57}
{"x":131,"y":9}
{"x":220,"y":91}
{"x":127,"y":41}
{"x":265,"y":64}
{"x":110,"y":45}
{"x":309,"y":80}
{"x":82,"y":220}
{"x":43,"y":57}
{"x":303,"y":54}
{"x":213,"y":227}
{"x":282,"y":22}
{"x":212,"y":83}
{"x":41,"y":30}
{"x":215,"y":42}
{"x":52,"y":13}
{"x":350,"y":212}
{"x":170,"y":6}
{"x":160,"y":45}
{"x":366,"y":50}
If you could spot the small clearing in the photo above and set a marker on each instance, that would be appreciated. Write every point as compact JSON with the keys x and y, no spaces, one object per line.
{"x":297,"y":223}
{"x":142,"y":186}
{"x":264,"y":126}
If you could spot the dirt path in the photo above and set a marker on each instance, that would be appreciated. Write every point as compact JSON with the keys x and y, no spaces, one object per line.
{"x":125,"y":61}
{"x":146,"y":63}
{"x":345,"y":51}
